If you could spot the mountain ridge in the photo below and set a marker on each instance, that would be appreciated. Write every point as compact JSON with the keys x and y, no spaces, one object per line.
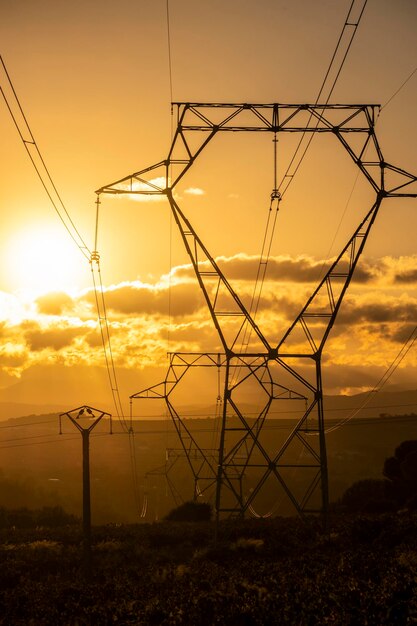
{"x":381,"y":403}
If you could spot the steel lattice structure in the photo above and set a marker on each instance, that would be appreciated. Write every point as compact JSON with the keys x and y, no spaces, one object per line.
{"x":290,"y":368}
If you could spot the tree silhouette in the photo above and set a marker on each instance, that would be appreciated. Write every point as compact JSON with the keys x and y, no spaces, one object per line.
{"x":401,"y":470}
{"x":368,"y":496}
{"x":190,"y":512}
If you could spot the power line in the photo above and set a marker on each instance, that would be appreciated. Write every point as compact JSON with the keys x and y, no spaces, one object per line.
{"x":110,"y":366}
{"x":106,"y":339}
{"x":399,"y":89}
{"x":38,"y":443}
{"x":63,"y":214}
{"x":26,"y":424}
{"x":284,"y":184}
{"x":280,"y":190}
{"x":169,"y":52}
{"x":51,"y":190}
{"x":396,"y":92}
{"x":405,"y":348}
{"x":152,"y":418}
{"x":279,"y":426}
{"x":39,"y":164}
{"x":27,"y":437}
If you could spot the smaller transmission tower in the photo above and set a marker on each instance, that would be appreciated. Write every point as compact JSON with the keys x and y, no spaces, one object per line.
{"x":85,"y":419}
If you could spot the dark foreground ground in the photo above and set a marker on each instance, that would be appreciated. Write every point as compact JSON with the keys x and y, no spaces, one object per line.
{"x":282,"y":571}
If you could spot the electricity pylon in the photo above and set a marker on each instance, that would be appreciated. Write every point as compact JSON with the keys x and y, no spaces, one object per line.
{"x":291,"y":367}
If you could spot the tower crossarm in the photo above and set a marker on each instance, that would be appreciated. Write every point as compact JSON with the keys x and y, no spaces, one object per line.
{"x":385,"y":178}
{"x":152,"y":180}
{"x":402,"y":185}
{"x":198,"y":123}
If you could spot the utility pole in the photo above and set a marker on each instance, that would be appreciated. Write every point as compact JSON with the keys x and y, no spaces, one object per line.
{"x":85,"y":419}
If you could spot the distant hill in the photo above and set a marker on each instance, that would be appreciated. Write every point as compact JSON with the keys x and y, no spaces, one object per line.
{"x":336,"y":407}
{"x":10,"y":410}
{"x":371,"y":405}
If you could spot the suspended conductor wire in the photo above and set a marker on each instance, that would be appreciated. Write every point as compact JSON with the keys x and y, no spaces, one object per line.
{"x":144,"y":505}
{"x":405,"y":348}
{"x":104,"y":323}
{"x":106,"y":340}
{"x":41,"y":168}
{"x":399,"y":89}
{"x":219,"y":408}
{"x":171,"y":92}
{"x":169,"y":52}
{"x":169,"y":285}
{"x":396,"y":92}
{"x":263,"y":262}
{"x":268,"y":238}
{"x":264,"y":258}
{"x":288,"y":178}
{"x":133,"y":465}
{"x":110,"y":366}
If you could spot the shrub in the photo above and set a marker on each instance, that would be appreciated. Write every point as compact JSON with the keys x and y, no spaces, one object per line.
{"x":190,"y":512}
{"x":48,"y":517}
{"x":401,"y":471}
{"x":368,"y":496}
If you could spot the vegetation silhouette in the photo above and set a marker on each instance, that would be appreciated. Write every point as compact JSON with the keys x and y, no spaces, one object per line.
{"x":397,"y":490}
{"x":46,"y":517}
{"x":190,"y":512}
{"x":277,"y":571}
{"x":401,"y":471}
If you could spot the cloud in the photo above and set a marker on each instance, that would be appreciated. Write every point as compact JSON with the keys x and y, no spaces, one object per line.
{"x":388,"y":309}
{"x":141,"y":299}
{"x":54,"y":303}
{"x":403,"y":333}
{"x":194,"y":191}
{"x":284,"y":268}
{"x":13,"y":357}
{"x":147,"y":320}
{"x":55,"y":337}
{"x":407,"y":276}
{"x":399,"y":270}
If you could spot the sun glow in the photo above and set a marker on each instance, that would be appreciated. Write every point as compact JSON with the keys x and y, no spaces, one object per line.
{"x":44,"y":259}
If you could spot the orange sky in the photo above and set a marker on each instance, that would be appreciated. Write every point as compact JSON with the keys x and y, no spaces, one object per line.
{"x":94,"y":84}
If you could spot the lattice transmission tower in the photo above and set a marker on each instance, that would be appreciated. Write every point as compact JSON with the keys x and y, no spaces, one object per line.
{"x":244,"y":467}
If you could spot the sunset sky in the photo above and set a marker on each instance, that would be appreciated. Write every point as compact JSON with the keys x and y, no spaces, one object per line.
{"x":94,"y":82}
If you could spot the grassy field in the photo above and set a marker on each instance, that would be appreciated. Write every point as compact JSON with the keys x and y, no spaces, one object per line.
{"x":278,"y":571}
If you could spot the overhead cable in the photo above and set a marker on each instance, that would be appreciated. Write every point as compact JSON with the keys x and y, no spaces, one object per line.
{"x":109,"y":360}
{"x":279,"y":190}
{"x":20,"y":121}
{"x":105,"y":338}
{"x":405,"y":348}
{"x":278,"y":426}
{"x":399,"y":89}
{"x":349,"y":25}
{"x":169,"y":53}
